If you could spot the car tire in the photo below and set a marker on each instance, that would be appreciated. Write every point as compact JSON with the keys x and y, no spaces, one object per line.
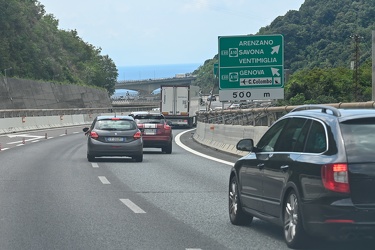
{"x":138,"y":158}
{"x":90,"y":158}
{"x":294,"y":233}
{"x":236,"y":214}
{"x":167,"y":149}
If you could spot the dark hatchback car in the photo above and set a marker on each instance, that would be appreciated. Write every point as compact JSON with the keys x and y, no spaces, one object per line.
{"x":312,"y":172}
{"x":114,"y":136}
{"x":156,"y":132}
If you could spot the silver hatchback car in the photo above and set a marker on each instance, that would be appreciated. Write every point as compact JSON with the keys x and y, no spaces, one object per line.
{"x":114,"y":136}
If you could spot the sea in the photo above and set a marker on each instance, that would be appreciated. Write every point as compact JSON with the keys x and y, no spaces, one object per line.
{"x":154,"y":71}
{"x":146,"y":72}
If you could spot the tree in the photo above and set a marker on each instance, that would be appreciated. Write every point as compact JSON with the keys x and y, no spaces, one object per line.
{"x":32,"y":44}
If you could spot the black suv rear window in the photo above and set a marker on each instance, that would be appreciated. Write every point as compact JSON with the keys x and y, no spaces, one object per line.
{"x":359,"y":139}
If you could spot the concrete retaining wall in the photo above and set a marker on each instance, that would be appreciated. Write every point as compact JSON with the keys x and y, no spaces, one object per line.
{"x":29,"y":94}
{"x":225,"y":137}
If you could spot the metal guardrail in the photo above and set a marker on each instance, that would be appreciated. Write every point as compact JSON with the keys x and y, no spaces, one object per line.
{"x":263,"y":116}
{"x":11,"y":113}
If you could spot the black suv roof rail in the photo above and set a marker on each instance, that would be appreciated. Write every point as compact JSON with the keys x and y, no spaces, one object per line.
{"x":324,"y":108}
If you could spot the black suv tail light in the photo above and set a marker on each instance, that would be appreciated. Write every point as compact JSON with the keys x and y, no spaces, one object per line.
{"x":335,"y":177}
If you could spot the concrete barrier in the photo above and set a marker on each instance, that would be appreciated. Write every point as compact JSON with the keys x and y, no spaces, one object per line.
{"x":218,"y":136}
{"x":20,"y":124}
{"x":225,"y":137}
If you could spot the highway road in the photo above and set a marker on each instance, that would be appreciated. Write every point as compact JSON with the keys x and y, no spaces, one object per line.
{"x":53,"y":198}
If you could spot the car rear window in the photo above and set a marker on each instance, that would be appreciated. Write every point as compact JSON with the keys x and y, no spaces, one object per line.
{"x":115,"y":125}
{"x":359,"y":139}
{"x":146,"y":119}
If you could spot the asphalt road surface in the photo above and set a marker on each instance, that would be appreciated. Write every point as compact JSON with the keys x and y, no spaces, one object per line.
{"x":53,"y":198}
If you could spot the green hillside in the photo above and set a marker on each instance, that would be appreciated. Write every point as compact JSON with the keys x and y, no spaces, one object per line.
{"x":321,"y":33}
{"x":32,"y":47}
{"x":321,"y":41}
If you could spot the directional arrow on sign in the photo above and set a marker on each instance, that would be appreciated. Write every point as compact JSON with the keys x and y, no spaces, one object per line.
{"x":275,"y":72}
{"x":275,"y":49}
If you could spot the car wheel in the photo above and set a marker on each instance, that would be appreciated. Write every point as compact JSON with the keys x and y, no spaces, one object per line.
{"x":90,"y":158}
{"x":167,"y":149}
{"x":236,"y":214}
{"x":294,"y":233}
{"x":138,"y":158}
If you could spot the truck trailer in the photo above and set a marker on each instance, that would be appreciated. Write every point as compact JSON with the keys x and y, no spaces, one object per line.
{"x":179,"y":104}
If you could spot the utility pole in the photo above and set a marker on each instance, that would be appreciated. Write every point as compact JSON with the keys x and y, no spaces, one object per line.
{"x":6,"y":83}
{"x":373,"y":65}
{"x":5,"y":72}
{"x":357,"y":39}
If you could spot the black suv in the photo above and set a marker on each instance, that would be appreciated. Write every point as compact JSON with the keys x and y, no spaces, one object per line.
{"x":312,"y":172}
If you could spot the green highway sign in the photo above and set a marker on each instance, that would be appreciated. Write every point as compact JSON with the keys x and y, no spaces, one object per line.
{"x":216,"y":69}
{"x":251,"y":62}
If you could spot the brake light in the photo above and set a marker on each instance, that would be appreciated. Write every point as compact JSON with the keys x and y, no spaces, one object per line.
{"x":167,"y":127}
{"x":335,"y":177}
{"x":137,"y":135}
{"x":94,"y":135}
{"x":115,"y":119}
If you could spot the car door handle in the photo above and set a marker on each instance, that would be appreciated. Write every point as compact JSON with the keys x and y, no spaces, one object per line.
{"x":284,"y":167}
{"x":260,"y":165}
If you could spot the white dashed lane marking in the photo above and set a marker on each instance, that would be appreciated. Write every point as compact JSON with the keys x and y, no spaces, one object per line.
{"x":132,"y":206}
{"x":95,"y":165}
{"x":104,"y":180}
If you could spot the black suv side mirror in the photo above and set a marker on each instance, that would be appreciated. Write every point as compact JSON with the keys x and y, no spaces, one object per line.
{"x":245,"y":145}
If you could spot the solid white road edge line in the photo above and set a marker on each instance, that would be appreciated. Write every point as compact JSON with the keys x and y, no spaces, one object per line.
{"x":104,"y":180}
{"x":132,"y":206}
{"x":179,"y":143}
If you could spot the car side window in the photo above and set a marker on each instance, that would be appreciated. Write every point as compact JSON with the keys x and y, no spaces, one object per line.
{"x":290,"y":135}
{"x":317,"y":139}
{"x":301,"y":140}
{"x":268,"y":141}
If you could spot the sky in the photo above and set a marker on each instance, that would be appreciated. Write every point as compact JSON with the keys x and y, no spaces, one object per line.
{"x":162,"y":32}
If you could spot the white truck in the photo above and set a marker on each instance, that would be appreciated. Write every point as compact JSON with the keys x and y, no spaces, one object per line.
{"x":179,"y":104}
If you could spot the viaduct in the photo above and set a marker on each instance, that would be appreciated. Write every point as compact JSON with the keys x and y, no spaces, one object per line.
{"x":145,"y":87}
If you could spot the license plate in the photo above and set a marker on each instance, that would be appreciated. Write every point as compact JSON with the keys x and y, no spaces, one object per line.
{"x":150,"y":132}
{"x":115,"y":139}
